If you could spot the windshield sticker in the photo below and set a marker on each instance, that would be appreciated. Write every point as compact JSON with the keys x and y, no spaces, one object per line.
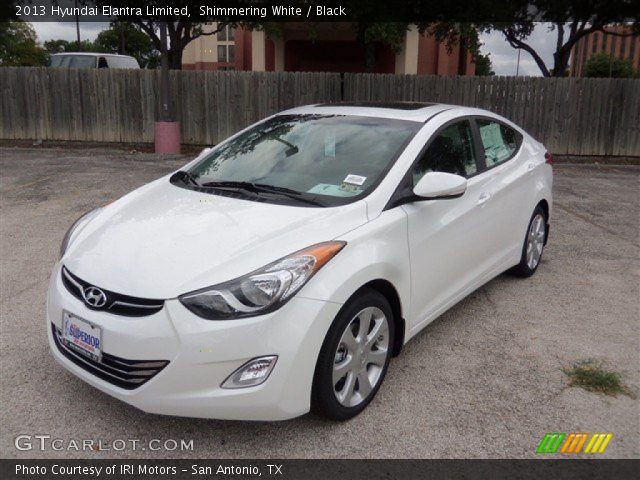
{"x":354,"y":179}
{"x":330,"y":144}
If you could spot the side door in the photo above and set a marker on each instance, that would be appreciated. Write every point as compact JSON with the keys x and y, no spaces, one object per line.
{"x":448,"y":238}
{"x":504,"y":177}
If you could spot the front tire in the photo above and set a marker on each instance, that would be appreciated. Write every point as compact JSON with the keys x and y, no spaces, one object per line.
{"x":533,"y":244}
{"x":354,"y":357}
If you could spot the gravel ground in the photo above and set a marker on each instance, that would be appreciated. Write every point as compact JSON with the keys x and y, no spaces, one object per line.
{"x":484,"y":380}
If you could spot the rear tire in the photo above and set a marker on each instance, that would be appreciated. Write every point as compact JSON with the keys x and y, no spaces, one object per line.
{"x":533,"y":245}
{"x":354,"y":357}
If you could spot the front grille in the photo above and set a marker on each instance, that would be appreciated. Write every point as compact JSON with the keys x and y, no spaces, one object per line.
{"x":123,"y":373}
{"x":116,"y":303}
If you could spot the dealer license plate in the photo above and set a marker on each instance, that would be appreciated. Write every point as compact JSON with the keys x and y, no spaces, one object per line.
{"x":82,"y":336}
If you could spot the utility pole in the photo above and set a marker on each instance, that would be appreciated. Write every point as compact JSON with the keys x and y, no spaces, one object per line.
{"x":518,"y":64}
{"x":166,"y":115}
{"x":77,"y":24}
{"x":167,"y":129}
{"x":121,"y":28}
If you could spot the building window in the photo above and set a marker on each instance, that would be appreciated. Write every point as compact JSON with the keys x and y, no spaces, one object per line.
{"x":623,"y":47}
{"x":226,"y":34}
{"x":226,"y":53}
{"x":614,"y":44}
{"x":594,"y":43}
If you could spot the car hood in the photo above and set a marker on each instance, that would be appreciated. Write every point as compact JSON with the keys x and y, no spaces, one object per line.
{"x":161,"y":240}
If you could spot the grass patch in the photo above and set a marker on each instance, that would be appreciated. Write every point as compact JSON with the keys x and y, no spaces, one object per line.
{"x":594,"y":376}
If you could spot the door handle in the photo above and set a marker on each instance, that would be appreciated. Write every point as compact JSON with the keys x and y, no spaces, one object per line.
{"x":483,"y":198}
{"x":530,"y":167}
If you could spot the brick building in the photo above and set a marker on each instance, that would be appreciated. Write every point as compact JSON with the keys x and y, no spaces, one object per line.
{"x":596,"y":42}
{"x":334,"y":49}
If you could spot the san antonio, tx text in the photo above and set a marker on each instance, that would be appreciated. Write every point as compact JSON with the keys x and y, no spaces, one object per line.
{"x":204,"y":10}
{"x":144,"y":469}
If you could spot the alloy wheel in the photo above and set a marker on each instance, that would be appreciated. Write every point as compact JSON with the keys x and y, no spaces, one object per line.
{"x":361,"y":356}
{"x":535,"y":241}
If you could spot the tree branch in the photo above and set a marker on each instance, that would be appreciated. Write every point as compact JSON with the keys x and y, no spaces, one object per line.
{"x":519,"y":44}
{"x":220,"y":26}
{"x":151,"y":31}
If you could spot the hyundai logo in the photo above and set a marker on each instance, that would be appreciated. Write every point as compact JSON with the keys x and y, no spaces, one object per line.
{"x":94,"y":297}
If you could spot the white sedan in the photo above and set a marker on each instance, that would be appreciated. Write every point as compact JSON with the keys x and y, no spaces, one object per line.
{"x":280,"y":271}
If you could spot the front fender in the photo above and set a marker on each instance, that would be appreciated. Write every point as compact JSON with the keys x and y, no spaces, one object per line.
{"x":377,"y":250}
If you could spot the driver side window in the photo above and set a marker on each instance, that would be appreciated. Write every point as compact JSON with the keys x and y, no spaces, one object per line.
{"x":451,"y":151}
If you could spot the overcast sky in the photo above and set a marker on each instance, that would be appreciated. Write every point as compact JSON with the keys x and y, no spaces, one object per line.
{"x":503,"y":56}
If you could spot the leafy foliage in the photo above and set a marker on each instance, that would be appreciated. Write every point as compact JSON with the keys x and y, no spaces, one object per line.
{"x":19,"y":45}
{"x":63,"y":46}
{"x":604,"y":64}
{"x":483,"y":64}
{"x":571,"y":21}
{"x":126,"y":39}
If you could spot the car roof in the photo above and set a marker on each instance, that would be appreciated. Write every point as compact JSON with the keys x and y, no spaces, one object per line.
{"x":412,"y":111}
{"x":93,"y":54}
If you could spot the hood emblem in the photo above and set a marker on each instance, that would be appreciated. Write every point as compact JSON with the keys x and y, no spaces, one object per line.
{"x":94,"y":297}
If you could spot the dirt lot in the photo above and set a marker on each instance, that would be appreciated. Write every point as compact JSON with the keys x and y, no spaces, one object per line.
{"x":484,"y":380}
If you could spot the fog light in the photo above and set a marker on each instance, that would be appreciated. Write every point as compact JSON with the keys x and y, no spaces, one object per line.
{"x":252,"y":373}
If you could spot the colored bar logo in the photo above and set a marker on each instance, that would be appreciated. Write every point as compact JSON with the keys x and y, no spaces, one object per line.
{"x":574,"y":443}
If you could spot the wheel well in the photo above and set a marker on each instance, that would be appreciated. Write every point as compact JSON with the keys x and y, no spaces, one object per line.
{"x":386,"y":289}
{"x":545,"y":208}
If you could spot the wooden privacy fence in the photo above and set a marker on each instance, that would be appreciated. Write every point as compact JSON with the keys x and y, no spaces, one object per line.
{"x":121,"y":105}
{"x":571,"y":116}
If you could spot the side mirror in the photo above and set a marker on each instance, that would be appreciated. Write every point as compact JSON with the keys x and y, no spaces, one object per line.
{"x":440,"y":185}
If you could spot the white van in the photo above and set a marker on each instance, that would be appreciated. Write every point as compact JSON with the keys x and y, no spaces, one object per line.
{"x":92,"y":60}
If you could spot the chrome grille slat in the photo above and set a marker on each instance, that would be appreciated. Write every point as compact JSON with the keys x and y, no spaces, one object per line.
{"x":118,"y":303}
{"x":137,"y":374}
{"x":137,"y":365}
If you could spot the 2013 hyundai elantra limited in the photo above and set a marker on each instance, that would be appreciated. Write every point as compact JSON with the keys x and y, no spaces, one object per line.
{"x":280,"y":271}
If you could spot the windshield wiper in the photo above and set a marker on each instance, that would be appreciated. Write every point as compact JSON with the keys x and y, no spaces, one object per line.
{"x":288,"y":192}
{"x":233,"y":185}
{"x":292,"y":150}
{"x":186,"y":177}
{"x":259,"y":188}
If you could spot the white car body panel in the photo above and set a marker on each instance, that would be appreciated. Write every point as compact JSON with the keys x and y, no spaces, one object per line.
{"x":177,"y":247}
{"x":161,"y":241}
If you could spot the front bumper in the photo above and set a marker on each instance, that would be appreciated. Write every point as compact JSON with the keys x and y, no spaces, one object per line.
{"x":203,"y":353}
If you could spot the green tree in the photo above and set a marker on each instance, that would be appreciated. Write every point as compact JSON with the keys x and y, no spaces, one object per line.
{"x":571,"y":21}
{"x":65,"y":46}
{"x":604,"y":64}
{"x":126,"y":39}
{"x":181,"y":29}
{"x":483,"y":64}
{"x":391,"y":34}
{"x":19,"y":45}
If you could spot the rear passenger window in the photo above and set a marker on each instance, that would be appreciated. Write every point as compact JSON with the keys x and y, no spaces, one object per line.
{"x":451,"y":151}
{"x":499,"y":141}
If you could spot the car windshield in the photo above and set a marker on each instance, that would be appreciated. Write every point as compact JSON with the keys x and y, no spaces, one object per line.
{"x":73,"y":61}
{"x":323,"y":159}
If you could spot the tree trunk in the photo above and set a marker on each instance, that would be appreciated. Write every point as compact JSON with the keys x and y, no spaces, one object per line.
{"x":175,"y":59}
{"x":560,"y":63}
{"x":369,"y":57}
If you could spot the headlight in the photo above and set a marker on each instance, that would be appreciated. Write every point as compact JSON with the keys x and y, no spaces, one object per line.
{"x":67,"y":236}
{"x":263,"y":290}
